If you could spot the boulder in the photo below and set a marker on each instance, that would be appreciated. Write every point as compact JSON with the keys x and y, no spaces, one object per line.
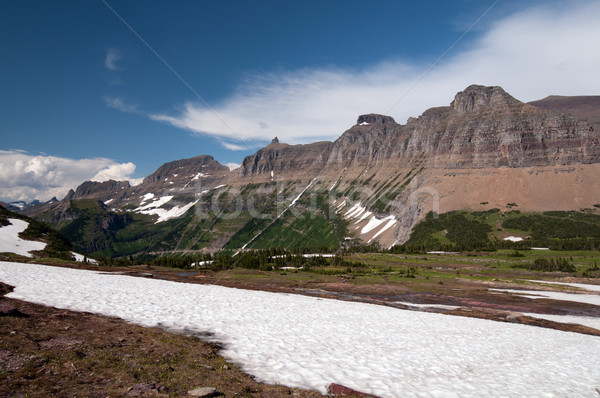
{"x":204,"y":392}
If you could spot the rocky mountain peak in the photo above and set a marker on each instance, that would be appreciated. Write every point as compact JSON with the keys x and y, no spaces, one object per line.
{"x":185,"y":167}
{"x":375,"y":118}
{"x":69,"y":195}
{"x":284,"y":158}
{"x":274,"y":145}
{"x":476,"y":98}
{"x":99,"y":190}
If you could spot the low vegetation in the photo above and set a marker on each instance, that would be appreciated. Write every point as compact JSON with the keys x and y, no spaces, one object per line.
{"x":484,"y":231}
{"x":559,"y":264}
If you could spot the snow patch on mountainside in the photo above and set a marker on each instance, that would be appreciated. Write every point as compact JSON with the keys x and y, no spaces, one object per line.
{"x":11,"y":243}
{"x":300,"y":194}
{"x":391,"y":222}
{"x":146,"y":197}
{"x":194,"y":178}
{"x":358,"y":215}
{"x":363,"y":216}
{"x":334,"y":184}
{"x":355,"y":210}
{"x":157,"y":203}
{"x":174,"y":212}
{"x":514,"y":238}
{"x":375,"y":222}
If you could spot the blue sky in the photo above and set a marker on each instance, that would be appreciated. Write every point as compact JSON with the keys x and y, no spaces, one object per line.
{"x":83,"y":96}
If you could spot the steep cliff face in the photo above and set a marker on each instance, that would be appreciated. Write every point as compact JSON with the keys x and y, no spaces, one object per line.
{"x":483,"y":127}
{"x":278,"y":159}
{"x":486,"y":127}
{"x":374,"y":139}
{"x":103,"y":191}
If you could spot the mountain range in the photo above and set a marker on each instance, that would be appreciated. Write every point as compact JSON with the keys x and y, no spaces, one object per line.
{"x":372,"y":185}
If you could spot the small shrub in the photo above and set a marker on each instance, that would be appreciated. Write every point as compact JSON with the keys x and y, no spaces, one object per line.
{"x":554,"y":264}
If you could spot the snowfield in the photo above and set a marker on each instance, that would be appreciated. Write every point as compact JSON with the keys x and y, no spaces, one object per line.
{"x":592,"y":299}
{"x":311,"y":342}
{"x":11,"y":243}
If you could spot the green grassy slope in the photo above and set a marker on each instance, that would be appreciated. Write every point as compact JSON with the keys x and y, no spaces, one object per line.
{"x":310,"y":223}
{"x":98,"y":231}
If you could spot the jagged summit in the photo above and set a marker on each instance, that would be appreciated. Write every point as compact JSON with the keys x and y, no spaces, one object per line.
{"x":476,"y":98}
{"x":372,"y":118}
{"x":201,"y":163}
{"x":275,"y":143}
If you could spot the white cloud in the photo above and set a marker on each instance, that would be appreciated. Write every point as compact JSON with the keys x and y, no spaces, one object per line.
{"x":532,"y":54}
{"x":120,"y":104}
{"x":111,"y":59}
{"x":232,"y":166}
{"x":24,"y":176}
{"x":117,"y":172}
{"x":235,"y":147}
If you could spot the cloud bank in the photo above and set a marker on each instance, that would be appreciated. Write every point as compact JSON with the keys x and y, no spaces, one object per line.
{"x":24,"y":176}
{"x":531,"y":54}
{"x":232,"y":166}
{"x":117,"y":172}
